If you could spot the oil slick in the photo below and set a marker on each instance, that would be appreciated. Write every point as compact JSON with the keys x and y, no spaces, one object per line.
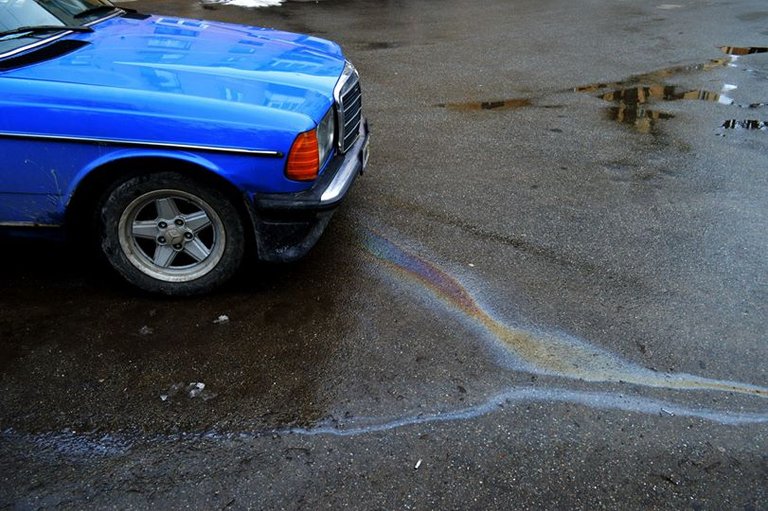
{"x":597,"y":400}
{"x":539,"y":352}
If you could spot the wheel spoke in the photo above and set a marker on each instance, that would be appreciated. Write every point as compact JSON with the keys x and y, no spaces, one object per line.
{"x":197,"y":250}
{"x":197,"y":221}
{"x":166,"y":208}
{"x":164,"y":256}
{"x":144,"y":229}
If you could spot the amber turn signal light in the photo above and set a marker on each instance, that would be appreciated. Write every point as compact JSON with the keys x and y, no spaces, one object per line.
{"x":304,"y":158}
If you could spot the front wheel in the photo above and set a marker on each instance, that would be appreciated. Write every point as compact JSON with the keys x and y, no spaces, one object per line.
{"x":166,"y":233}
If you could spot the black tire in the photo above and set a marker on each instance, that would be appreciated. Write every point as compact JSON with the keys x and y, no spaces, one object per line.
{"x":167,"y":233}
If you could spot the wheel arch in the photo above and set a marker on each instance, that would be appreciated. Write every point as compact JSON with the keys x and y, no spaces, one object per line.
{"x":96,"y":182}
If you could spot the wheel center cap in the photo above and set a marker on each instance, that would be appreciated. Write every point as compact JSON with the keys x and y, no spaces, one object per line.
{"x":174,"y":235}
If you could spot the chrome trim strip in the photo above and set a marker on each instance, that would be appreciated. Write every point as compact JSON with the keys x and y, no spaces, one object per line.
{"x":27,"y":224}
{"x":32,"y":46}
{"x":141,"y":143}
{"x":114,"y":14}
{"x":349,"y":70}
{"x":345,"y":80}
{"x":343,"y":178}
{"x":340,"y":184}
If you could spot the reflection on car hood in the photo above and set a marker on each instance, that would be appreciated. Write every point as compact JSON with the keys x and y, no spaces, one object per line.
{"x":251,"y":66}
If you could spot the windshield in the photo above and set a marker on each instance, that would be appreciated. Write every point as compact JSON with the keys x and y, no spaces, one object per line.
{"x":16,"y":14}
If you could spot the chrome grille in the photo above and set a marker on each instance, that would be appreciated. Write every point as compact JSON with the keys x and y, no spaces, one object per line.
{"x":350,"y":109}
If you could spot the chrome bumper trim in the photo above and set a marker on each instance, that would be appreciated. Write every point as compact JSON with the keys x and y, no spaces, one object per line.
{"x":352,"y":166}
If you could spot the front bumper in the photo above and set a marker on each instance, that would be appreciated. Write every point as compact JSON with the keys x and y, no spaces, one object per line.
{"x":287,"y":225}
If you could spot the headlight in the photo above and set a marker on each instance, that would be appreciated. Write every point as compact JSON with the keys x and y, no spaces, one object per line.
{"x":310,"y":150}
{"x":325,"y":136}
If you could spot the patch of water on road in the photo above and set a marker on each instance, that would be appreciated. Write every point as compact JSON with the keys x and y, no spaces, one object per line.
{"x":71,"y":443}
{"x":504,"y":104}
{"x":735,"y":50}
{"x":749,"y":124}
{"x":632,"y":103}
{"x":536,"y":351}
{"x":634,"y":94}
{"x":657,"y":77}
{"x":642,"y":95}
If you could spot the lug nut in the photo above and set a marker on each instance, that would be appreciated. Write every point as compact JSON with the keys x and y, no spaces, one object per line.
{"x":179,"y":222}
{"x":188,"y":235}
{"x":161,"y":240}
{"x":177,"y":246}
{"x":162,"y":225}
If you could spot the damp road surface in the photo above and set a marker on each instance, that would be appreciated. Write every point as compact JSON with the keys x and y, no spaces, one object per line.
{"x":549,"y":290}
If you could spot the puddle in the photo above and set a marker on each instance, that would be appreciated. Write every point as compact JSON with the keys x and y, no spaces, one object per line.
{"x":632,"y":98}
{"x":636,"y":92}
{"x":641,"y":119}
{"x":632,"y":103}
{"x":750,"y":124}
{"x":506,"y":104}
{"x":642,"y":95}
{"x":735,"y":50}
{"x":657,"y":77}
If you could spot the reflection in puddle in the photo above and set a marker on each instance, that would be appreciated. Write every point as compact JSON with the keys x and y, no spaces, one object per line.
{"x":507,"y":104}
{"x":642,"y":95}
{"x":750,"y":124}
{"x":640,"y":118}
{"x":632,"y":101}
{"x":657,"y":77}
{"x":540,"y":352}
{"x":735,"y":50}
{"x":638,"y":90}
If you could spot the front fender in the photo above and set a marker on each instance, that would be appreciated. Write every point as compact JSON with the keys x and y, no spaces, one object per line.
{"x":121,"y":159}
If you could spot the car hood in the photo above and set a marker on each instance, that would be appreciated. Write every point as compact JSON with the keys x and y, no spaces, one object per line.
{"x":157,"y":59}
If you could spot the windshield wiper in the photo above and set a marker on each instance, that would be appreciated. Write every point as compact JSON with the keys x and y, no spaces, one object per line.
{"x":99,"y":9}
{"x":42,"y":29}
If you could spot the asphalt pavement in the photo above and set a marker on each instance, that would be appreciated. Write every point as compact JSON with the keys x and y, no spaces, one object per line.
{"x":548,"y":291}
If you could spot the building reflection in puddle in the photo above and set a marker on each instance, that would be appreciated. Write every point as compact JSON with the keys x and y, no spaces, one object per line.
{"x":749,"y":124}
{"x":735,"y":50}
{"x":632,"y":103}
{"x":635,"y":96}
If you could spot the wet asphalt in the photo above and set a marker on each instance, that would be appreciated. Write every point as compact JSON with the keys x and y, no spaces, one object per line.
{"x":550,"y":289}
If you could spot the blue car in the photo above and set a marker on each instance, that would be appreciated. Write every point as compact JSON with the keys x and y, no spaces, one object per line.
{"x":179,"y":146}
